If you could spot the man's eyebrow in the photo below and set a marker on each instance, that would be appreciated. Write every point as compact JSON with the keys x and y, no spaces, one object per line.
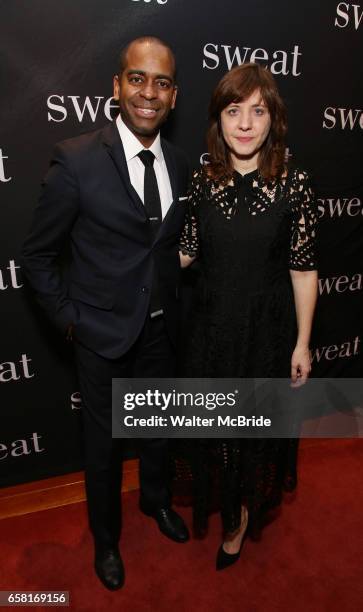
{"x":143,"y":73}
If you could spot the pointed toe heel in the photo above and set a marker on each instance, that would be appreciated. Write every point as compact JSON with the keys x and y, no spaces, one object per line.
{"x":225,"y":559}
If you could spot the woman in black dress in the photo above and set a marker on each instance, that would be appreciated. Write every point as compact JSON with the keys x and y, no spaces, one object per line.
{"x":251,"y":223}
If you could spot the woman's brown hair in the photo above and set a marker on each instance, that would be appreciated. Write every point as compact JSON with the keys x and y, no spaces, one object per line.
{"x":236,"y":86}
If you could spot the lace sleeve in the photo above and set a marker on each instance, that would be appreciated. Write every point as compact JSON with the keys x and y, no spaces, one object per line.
{"x":304,"y":222}
{"x":189,"y":241}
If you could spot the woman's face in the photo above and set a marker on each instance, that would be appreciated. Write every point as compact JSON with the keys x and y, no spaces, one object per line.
{"x":245,"y":127}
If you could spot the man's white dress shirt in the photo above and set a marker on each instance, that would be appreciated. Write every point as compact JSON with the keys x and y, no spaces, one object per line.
{"x":132,"y":147}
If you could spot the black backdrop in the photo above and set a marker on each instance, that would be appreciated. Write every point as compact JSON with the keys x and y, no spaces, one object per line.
{"x":57,"y":63}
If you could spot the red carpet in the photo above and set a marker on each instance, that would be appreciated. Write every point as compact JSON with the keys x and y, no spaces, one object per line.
{"x":310,"y":559}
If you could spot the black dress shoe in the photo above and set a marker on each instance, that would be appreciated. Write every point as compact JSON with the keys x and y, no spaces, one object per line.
{"x":109,"y":568}
{"x":170,"y":523}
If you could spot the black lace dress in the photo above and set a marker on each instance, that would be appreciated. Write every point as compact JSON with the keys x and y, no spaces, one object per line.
{"x":247,"y":237}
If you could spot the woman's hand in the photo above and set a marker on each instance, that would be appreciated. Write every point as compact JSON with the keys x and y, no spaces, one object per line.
{"x":300,"y":365}
{"x":185,"y":260}
{"x":305,"y":286}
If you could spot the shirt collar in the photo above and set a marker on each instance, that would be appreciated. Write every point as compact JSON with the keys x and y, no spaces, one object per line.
{"x":132,"y":146}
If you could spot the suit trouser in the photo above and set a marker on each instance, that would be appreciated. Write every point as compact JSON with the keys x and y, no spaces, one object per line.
{"x":151,"y":356}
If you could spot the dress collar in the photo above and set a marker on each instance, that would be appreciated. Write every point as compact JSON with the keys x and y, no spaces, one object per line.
{"x":248,"y":178}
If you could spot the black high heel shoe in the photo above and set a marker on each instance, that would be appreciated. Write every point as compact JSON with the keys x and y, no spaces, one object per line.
{"x":225,"y":559}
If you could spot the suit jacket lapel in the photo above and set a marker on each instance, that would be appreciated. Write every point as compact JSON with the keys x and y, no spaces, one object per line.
{"x":173,"y":176}
{"x":112,"y":141}
{"x":171,"y":166}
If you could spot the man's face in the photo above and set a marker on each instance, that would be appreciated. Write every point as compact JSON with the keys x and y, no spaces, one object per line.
{"x":146,"y":89}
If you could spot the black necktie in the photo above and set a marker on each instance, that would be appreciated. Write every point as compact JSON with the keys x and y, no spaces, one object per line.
{"x":152,"y":201}
{"x":153,"y":210}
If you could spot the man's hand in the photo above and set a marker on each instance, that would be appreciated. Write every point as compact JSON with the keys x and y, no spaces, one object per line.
{"x":69,"y":333}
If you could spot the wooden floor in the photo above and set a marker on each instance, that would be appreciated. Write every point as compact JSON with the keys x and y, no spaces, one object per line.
{"x":54,"y":492}
{"x":69,"y":489}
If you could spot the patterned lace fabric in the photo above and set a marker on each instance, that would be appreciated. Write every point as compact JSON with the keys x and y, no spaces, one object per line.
{"x":221,"y":475}
{"x":294,"y":188}
{"x":247,"y":236}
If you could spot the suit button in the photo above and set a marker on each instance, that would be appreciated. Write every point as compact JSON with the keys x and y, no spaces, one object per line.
{"x":145,"y":289}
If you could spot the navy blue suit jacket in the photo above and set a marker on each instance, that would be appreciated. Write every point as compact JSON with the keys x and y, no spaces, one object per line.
{"x":88,"y":200}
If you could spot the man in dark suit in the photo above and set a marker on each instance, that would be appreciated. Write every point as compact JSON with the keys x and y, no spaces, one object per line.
{"x":117,"y":195}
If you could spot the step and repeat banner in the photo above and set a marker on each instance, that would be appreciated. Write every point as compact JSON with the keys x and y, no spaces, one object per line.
{"x":58,"y":58}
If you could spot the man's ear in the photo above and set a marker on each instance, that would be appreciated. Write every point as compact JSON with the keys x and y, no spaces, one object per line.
{"x":175,"y":92}
{"x":116,"y":87}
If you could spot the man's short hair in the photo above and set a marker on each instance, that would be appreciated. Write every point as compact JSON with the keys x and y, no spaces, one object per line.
{"x":143,"y":39}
